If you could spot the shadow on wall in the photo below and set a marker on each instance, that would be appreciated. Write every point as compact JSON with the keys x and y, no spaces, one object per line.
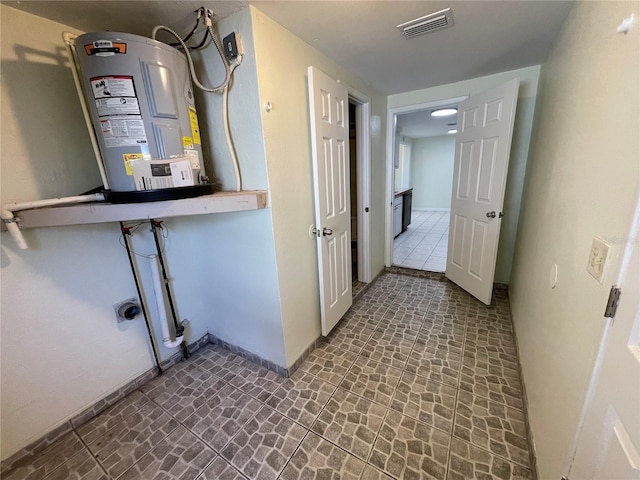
{"x":44,"y":104}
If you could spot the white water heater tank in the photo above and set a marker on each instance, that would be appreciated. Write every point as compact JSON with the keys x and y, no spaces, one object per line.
{"x":142,"y":108}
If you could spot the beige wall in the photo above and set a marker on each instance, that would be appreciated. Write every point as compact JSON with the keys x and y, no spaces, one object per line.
{"x":282,"y":61}
{"x":61,"y":348}
{"x":60,"y":332}
{"x":58,"y":329}
{"x":519,"y":146}
{"x":432,"y":171}
{"x":582,"y":182}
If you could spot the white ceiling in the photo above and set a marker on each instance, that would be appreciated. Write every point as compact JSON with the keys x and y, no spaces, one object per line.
{"x":421,"y":124}
{"x":487,"y":36}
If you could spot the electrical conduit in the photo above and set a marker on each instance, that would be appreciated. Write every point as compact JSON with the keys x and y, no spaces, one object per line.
{"x":69,"y":41}
{"x":223,"y":87}
{"x":162,"y":311}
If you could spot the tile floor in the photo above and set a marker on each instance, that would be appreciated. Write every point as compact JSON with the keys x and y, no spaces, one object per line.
{"x":418,"y":381}
{"x":423,"y":246}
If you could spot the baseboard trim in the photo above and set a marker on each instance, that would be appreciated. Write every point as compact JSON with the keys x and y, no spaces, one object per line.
{"x":92,"y":411}
{"x":101,"y":405}
{"x":246,"y":354}
{"x":525,"y":401}
{"x":430,"y":209}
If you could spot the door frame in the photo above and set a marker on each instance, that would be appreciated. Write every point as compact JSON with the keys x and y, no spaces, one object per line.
{"x":390,"y":187}
{"x":363,"y":167}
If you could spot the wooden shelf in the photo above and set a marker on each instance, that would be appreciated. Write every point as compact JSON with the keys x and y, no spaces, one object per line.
{"x":220,"y":202}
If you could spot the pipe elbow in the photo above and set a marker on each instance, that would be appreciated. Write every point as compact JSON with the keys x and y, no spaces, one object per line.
{"x":6,"y":215}
{"x":69,"y":38}
{"x":173,"y":343}
{"x":13,"y":228}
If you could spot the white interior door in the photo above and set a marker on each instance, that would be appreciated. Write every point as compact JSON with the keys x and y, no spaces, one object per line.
{"x":330,"y":148}
{"x":609,"y":442}
{"x":483,"y":143}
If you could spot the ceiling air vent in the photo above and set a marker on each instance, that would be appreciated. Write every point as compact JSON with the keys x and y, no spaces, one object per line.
{"x":428,"y":23}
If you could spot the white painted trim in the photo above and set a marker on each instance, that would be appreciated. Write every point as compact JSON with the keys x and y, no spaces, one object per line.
{"x":363,"y":165}
{"x":391,"y":132}
{"x":430,"y":209}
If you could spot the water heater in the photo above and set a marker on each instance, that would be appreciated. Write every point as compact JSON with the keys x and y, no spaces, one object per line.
{"x":140,"y":99}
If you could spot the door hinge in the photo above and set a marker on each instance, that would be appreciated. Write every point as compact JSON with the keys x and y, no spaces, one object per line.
{"x":612,"y":302}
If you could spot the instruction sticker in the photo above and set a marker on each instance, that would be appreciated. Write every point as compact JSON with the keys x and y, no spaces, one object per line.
{"x":117,"y":106}
{"x":113,"y":87}
{"x":195,"y":129}
{"x":193,"y":157}
{"x":187,"y":142}
{"x":129,"y":157}
{"x":123,"y":132}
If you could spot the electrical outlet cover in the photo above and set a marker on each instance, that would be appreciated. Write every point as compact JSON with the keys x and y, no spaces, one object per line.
{"x":598,"y":259}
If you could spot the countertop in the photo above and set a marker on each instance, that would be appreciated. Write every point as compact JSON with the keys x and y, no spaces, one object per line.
{"x":397,"y":193}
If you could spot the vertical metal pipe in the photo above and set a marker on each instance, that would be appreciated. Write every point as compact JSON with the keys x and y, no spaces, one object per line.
{"x":178,"y":326}
{"x":154,"y":228}
{"x":125,"y":234}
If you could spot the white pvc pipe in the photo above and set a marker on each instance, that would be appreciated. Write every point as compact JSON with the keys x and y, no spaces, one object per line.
{"x":6,"y":213}
{"x":162,"y":311}
{"x":16,"y":234}
{"x":69,"y":41}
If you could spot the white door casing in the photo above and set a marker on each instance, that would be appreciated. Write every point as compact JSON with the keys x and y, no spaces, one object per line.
{"x":608,"y":444}
{"x":483,"y":144}
{"x":328,"y":104}
{"x":391,"y":142}
{"x":363,"y":168}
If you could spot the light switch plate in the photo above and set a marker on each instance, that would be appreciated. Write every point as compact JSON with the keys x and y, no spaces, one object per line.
{"x":598,"y":259}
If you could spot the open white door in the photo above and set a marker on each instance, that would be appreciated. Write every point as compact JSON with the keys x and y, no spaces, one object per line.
{"x":609,"y":442}
{"x":483,"y":143}
{"x":329,"y":110}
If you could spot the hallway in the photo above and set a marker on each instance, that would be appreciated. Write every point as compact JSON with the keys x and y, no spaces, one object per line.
{"x":418,"y":381}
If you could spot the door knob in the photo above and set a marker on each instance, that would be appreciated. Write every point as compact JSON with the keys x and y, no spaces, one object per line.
{"x":491,"y":214}
{"x":326,"y":232}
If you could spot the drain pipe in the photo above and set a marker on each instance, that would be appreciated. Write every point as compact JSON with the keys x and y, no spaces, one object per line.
{"x":126,"y":233}
{"x":7,"y":212}
{"x":179,"y":328}
{"x":162,"y":312}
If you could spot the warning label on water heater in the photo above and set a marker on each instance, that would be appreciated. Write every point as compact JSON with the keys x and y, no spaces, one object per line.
{"x":125,"y":131}
{"x":115,"y":95}
{"x":117,"y":106}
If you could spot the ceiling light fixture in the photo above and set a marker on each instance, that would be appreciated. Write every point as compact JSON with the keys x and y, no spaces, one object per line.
{"x":453,"y":131}
{"x":444,"y":112}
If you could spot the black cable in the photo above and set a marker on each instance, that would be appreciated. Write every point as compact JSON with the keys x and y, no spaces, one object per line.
{"x":133,"y":229}
{"x":204,"y":40}
{"x":200,"y":12}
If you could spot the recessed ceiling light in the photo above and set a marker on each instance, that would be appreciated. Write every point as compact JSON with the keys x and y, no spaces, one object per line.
{"x":444,"y":112}
{"x":453,"y":131}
